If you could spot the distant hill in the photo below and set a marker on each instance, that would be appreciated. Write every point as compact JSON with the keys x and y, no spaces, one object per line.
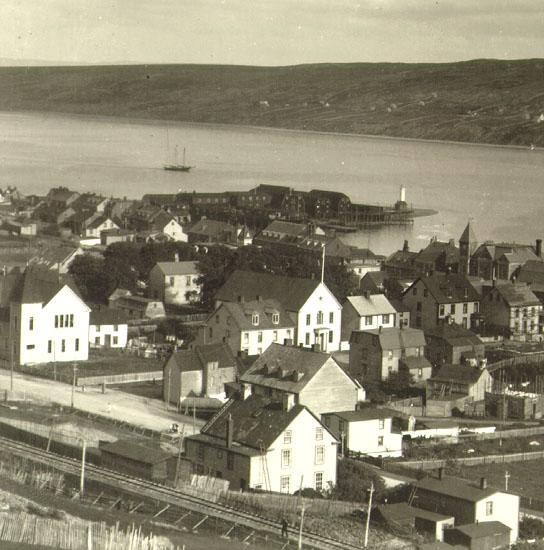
{"x":487,"y":101}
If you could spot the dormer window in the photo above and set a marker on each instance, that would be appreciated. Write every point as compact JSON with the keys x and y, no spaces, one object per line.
{"x":275,"y":318}
{"x":255,"y":319}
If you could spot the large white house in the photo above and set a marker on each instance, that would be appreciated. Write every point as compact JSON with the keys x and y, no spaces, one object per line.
{"x":255,"y":442}
{"x":44,"y":319}
{"x":175,"y":282}
{"x":315,"y":310}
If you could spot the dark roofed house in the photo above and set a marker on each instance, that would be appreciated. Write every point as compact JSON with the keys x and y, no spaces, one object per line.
{"x":211,"y":231}
{"x":108,"y":328}
{"x":138,"y":307}
{"x":460,"y":381}
{"x":532,"y":274}
{"x":453,"y":344}
{"x":437,"y":256}
{"x":480,"y":536}
{"x":200,"y":372}
{"x":253,"y":430}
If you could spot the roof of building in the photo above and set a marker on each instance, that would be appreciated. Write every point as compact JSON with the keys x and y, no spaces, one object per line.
{"x":454,"y":334}
{"x":401,"y":258}
{"x":60,"y":194}
{"x":458,"y":373}
{"x":178,"y":268}
{"x":455,"y":488}
{"x":449,"y":288}
{"x":435,"y":249}
{"x":468,"y":235}
{"x":532,"y":273}
{"x":367,"y":413}
{"x":286,"y":228}
{"x":399,"y":511}
{"x":162,"y":219}
{"x":212,"y":228}
{"x":517,"y":294}
{"x":377,"y":277}
{"x":290,"y":291}
{"x":136,"y":451}
{"x":136,"y":302}
{"x":256,"y":421}
{"x":483,"y":529}
{"x":394,"y":337}
{"x":107,"y":316}
{"x":97,"y":222}
{"x":243,"y":314}
{"x":414,"y":363}
{"x":54,"y":255}
{"x":373,"y":304}
{"x":513,"y":252}
{"x":196,"y":359}
{"x":118,"y":293}
{"x":286,"y":367}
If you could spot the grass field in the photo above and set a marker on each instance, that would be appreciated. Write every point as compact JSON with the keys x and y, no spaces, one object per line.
{"x":486,"y":101}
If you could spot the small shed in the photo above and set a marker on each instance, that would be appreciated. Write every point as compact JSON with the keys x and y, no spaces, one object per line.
{"x":134,"y":458}
{"x":487,"y":535}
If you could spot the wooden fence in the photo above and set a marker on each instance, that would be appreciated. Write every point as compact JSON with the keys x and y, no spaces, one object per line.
{"x":533,"y":358}
{"x":23,"y":528}
{"x":433,"y":464}
{"x":127,"y":378}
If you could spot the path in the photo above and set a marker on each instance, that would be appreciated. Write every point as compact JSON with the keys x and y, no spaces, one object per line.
{"x":117,"y":405}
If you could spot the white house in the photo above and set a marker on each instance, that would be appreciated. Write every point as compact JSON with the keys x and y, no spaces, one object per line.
{"x":366,"y":312}
{"x":249,"y":327}
{"x":171,"y":228}
{"x":368,"y":431}
{"x":108,"y":328}
{"x":175,"y":282}
{"x":98,"y":225}
{"x":315,"y":310}
{"x":47,"y":321}
{"x":255,"y":442}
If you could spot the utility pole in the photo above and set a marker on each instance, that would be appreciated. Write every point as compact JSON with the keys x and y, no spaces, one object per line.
{"x":74,"y":372}
{"x":82,"y":477}
{"x":323,"y":264}
{"x":506,"y":478}
{"x":194,"y":416}
{"x":169,"y":386}
{"x":342,"y":437}
{"x":11,"y":367}
{"x":367,"y":526}
{"x":300,"y":528}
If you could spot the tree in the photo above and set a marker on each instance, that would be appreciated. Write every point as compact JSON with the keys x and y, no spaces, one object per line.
{"x":353,"y":481}
{"x":92,"y":278}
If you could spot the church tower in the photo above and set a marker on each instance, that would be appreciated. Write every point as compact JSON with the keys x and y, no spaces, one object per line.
{"x":467,"y":247}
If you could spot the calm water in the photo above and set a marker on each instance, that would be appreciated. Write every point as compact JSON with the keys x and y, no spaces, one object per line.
{"x":499,"y":188}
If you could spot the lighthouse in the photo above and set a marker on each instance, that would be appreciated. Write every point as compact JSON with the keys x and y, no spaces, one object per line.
{"x":402,"y":193}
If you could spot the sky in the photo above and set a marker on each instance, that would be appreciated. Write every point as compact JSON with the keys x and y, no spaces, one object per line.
{"x":268,"y":32}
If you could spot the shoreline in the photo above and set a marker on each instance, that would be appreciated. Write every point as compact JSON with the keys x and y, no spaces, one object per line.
{"x":130,"y":120}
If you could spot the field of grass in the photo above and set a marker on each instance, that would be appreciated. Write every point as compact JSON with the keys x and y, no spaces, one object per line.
{"x":486,"y":101}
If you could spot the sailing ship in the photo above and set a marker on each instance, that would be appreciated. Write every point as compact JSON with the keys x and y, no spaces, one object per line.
{"x":176,"y":166}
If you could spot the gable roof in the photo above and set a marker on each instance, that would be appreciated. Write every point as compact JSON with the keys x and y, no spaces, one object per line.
{"x":394,"y":337}
{"x":455,"y":488}
{"x":435,"y":249}
{"x":136,"y":451}
{"x":97,"y":222}
{"x":513,"y":252}
{"x":284,"y":228}
{"x":256,"y":421}
{"x":517,"y":294}
{"x":458,"y":373}
{"x":448,"y":288}
{"x":454,"y":334}
{"x":196,"y":359}
{"x":483,"y":529}
{"x":212,"y":228}
{"x":285,"y":367}
{"x":468,"y":235}
{"x":532,"y":273}
{"x":107,"y":316}
{"x":374,"y":304}
{"x":242,"y":314}
{"x":413,"y":363}
{"x":290,"y":291}
{"x":179,"y":268}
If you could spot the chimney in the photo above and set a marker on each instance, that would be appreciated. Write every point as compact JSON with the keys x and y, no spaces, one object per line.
{"x":246,"y":391}
{"x":405,"y":247}
{"x":440,"y":473}
{"x":288,"y":401}
{"x":176,"y":257}
{"x":229,"y":431}
{"x":241,"y":299}
{"x":538,"y":248}
{"x":483,"y":483}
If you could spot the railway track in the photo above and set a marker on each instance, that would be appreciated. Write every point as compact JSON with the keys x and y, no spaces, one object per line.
{"x":169,"y":496}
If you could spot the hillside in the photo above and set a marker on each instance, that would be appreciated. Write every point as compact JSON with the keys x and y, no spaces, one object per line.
{"x":477,"y":101}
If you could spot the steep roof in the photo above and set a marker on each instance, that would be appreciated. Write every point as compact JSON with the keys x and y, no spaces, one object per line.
{"x":242,"y":314}
{"x":285,"y":367}
{"x":517,"y":294}
{"x":178,"y":268}
{"x":454,"y":334}
{"x":394,"y":337}
{"x":290,"y":291}
{"x":256,"y":421}
{"x":483,"y":529}
{"x":97,"y":222}
{"x":458,"y":373}
{"x":455,"y":488}
{"x":468,"y":235}
{"x":449,"y":288}
{"x":196,"y":359}
{"x":374,"y":304}
{"x":435,"y":249}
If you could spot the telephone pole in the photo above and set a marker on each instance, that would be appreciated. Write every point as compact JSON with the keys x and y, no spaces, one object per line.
{"x":74,"y":372}
{"x":506,"y":478}
{"x":82,"y":476}
{"x":300,"y":528}
{"x":367,"y":526}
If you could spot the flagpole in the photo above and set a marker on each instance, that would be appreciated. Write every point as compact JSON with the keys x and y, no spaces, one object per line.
{"x":323,"y":264}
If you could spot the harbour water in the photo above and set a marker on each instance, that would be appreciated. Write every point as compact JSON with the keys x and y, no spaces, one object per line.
{"x":499,"y":188}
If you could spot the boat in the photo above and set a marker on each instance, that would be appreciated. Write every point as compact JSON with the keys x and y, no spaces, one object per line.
{"x":176,"y":166}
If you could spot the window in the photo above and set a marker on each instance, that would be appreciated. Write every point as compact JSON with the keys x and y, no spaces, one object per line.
{"x":230,"y":461}
{"x":307,"y":338}
{"x":319,"y":317}
{"x":465,"y":322}
{"x":418,"y":306}
{"x":275,"y":318}
{"x":287,"y":437}
{"x":368,"y":320}
{"x":385,"y":319}
{"x":420,"y":373}
{"x":77,"y":344}
{"x":331,"y":336}
{"x":318,"y":481}
{"x":63,"y":345}
{"x":259,"y":337}
{"x":67,"y":320}
{"x":97,"y":340}
{"x":115,"y":340}
{"x":30,"y":346}
{"x":489,"y":508}
{"x":465,"y":308}
{"x":331,"y":317}
{"x":284,"y":484}
{"x":320,"y":454}
{"x":56,"y":321}
{"x":380,"y":441}
{"x":319,"y":433}
{"x":453,"y":309}
{"x":188,"y":280}
{"x":245,"y":336}
{"x":390,"y":355}
{"x":255,"y":319}
{"x":308,"y":319}
{"x":210,"y":332}
{"x":285,"y":458}
{"x":381,"y":424}
{"x":31,"y":323}
{"x":217,"y":319}
{"x":49,"y":346}
{"x":425,"y":292}
{"x":414,"y":291}
{"x":275,"y":336}
{"x":172,"y":280}
{"x":61,"y":321}
{"x":442,"y":310}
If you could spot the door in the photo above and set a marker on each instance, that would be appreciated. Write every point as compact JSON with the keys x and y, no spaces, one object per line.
{"x":107,"y":341}
{"x":323,"y":341}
